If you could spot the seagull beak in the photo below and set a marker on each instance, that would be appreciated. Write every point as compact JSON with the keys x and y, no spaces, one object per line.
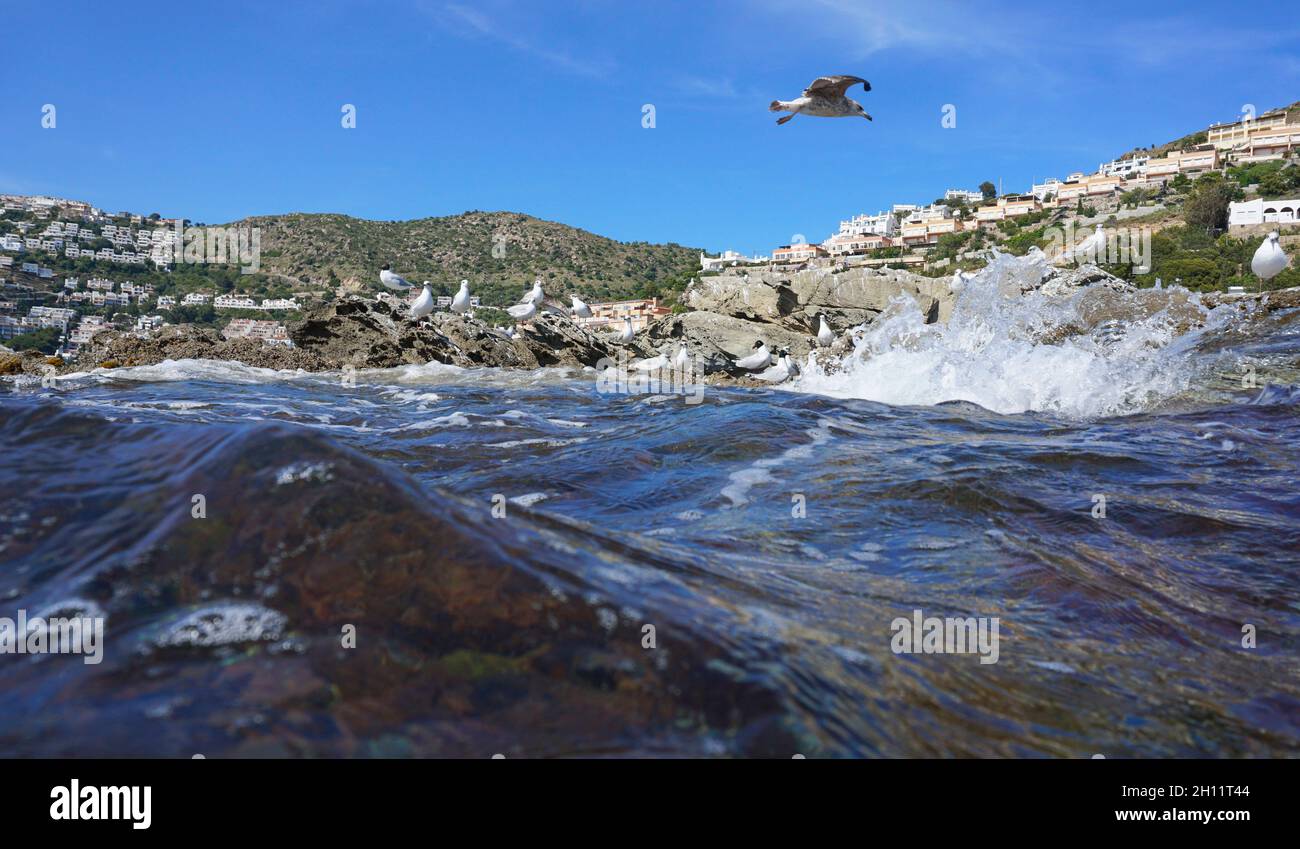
{"x":865,"y":115}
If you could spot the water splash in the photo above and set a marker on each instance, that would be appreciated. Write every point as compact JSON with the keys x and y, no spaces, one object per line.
{"x":1014,"y":344}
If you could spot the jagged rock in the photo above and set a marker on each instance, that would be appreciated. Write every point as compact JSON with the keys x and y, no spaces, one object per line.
{"x":794,"y":299}
{"x":185,"y":341}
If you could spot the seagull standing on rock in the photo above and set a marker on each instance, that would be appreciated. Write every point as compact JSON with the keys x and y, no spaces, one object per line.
{"x":460,"y":303}
{"x":523,"y":312}
{"x":423,"y":305}
{"x":824,"y":98}
{"x":580,"y":310}
{"x":1269,"y":259}
{"x":959,"y":281}
{"x":780,"y":372}
{"x":393,"y":281}
{"x":757,"y":360}
{"x":625,"y":335}
{"x":534,"y":295}
{"x":824,"y":335}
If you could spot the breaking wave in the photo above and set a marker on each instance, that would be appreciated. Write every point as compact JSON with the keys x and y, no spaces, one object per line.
{"x":1014,"y":345}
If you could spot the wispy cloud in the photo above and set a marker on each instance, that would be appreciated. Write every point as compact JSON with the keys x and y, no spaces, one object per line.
{"x":474,"y":22}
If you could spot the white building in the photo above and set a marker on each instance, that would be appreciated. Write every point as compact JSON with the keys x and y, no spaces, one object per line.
{"x":963,"y":195}
{"x":1124,"y":167}
{"x":880,"y":224}
{"x":1248,"y":213}
{"x":726,"y":258}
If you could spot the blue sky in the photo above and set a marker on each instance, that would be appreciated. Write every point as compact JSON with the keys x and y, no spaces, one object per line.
{"x":218,"y":111}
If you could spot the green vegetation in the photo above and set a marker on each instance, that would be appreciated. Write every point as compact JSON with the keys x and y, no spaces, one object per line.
{"x":1275,"y":179}
{"x":1203,"y":262}
{"x":1206,"y":207}
{"x":45,"y":340}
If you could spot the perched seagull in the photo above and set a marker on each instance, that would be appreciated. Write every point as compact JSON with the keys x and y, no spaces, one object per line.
{"x":1159,"y":285}
{"x":523,"y":312}
{"x":778,"y":373}
{"x":625,"y":335}
{"x":653,"y":364}
{"x":824,"y":335}
{"x":580,"y":310}
{"x":1269,"y":259}
{"x":683,"y":358}
{"x":423,"y":305}
{"x":393,"y":281}
{"x":959,"y":281}
{"x":757,"y":360}
{"x":534,"y":295}
{"x":824,"y":98}
{"x":460,"y":303}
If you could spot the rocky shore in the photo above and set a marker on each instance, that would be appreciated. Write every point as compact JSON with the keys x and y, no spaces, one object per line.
{"x":725,"y":315}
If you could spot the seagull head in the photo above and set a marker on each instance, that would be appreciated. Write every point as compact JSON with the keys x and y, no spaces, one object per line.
{"x":1274,"y":236}
{"x":385,"y":267}
{"x":858,"y":110}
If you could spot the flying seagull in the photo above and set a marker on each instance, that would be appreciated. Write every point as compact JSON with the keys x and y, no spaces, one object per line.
{"x":396,"y":282}
{"x":824,"y":98}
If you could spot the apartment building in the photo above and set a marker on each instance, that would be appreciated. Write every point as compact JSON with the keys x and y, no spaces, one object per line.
{"x":610,"y":314}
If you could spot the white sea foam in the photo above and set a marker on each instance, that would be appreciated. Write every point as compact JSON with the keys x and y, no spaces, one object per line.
{"x":1093,"y":352}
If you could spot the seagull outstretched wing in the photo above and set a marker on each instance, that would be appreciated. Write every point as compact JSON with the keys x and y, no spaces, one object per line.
{"x":833,"y":86}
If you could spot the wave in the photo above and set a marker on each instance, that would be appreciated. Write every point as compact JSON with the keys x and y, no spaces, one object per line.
{"x":1012,"y":347}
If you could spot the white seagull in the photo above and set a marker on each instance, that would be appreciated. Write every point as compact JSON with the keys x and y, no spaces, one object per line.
{"x":683,"y":358}
{"x":460,"y":303}
{"x":1269,"y":259}
{"x":625,"y":335}
{"x":824,"y":98}
{"x":959,"y":281}
{"x":824,"y":335}
{"x":778,"y":373}
{"x":534,"y":295}
{"x":393,"y":281}
{"x":653,"y":364}
{"x":423,"y":305}
{"x":757,"y":360}
{"x":580,"y":310}
{"x":523,"y":312}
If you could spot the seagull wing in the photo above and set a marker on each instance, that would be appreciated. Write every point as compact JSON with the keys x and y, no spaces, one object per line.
{"x":834,"y":86}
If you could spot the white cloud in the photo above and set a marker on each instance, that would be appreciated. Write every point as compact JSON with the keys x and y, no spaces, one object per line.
{"x":467,"y":21}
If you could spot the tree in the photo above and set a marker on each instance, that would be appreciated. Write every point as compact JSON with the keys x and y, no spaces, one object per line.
{"x":45,"y":340}
{"x":989,"y":190}
{"x":1206,"y":208}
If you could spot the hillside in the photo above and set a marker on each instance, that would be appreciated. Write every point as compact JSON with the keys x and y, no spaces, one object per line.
{"x":326,"y":251}
{"x":1192,"y":139}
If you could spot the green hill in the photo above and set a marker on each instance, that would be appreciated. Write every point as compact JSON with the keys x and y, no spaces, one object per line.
{"x":501,"y":253}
